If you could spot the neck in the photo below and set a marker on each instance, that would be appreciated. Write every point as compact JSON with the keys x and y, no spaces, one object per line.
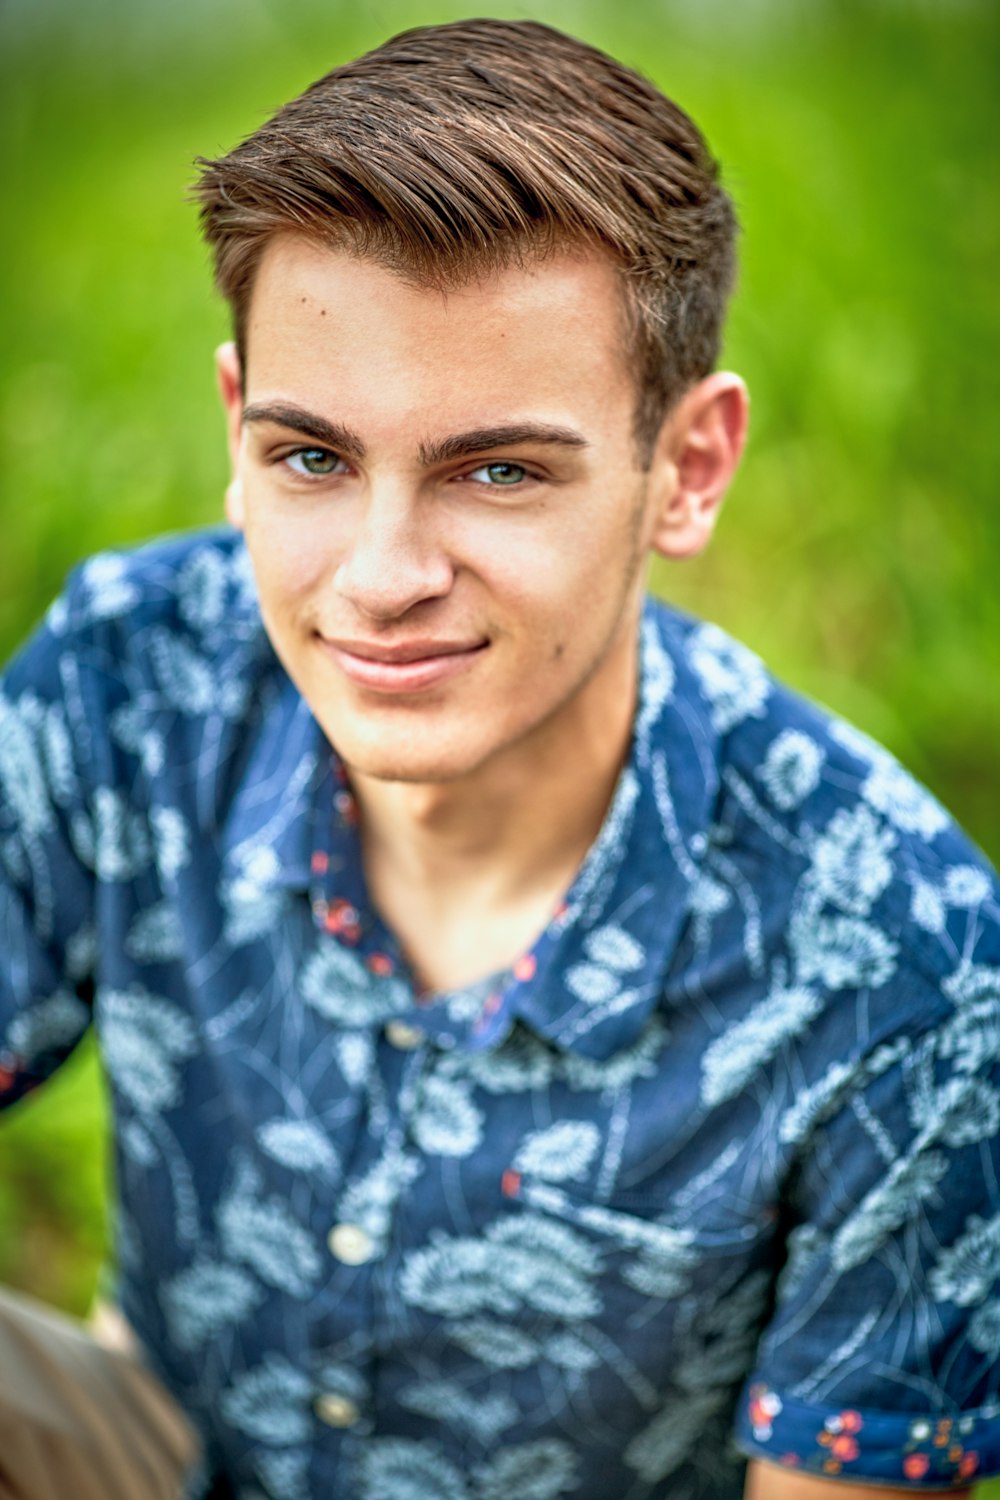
{"x":519,"y":824}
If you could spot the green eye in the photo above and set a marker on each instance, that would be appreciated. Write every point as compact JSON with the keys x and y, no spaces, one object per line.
{"x":501,"y":474}
{"x":315,"y":461}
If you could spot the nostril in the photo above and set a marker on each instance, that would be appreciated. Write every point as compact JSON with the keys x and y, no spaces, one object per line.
{"x":388,"y":583}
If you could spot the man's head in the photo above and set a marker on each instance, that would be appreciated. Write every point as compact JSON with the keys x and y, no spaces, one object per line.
{"x":454,"y":151}
{"x":443,"y":282}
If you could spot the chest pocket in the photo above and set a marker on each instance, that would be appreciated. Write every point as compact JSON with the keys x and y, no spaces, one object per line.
{"x":645,"y":1251}
{"x":622,"y":1307}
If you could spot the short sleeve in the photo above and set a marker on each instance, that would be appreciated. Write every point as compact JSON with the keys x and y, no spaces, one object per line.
{"x":880,"y":1362}
{"x":47,"y":740}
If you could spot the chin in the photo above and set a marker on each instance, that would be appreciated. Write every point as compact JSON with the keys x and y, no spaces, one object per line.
{"x":403,"y":761}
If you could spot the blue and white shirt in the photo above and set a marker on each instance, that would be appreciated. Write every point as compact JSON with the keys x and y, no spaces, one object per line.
{"x":711,"y":1171}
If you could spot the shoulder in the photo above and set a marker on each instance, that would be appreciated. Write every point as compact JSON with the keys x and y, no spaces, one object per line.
{"x":870,"y":880}
{"x":175,"y":620}
{"x":194,"y":582}
{"x":143,"y":647}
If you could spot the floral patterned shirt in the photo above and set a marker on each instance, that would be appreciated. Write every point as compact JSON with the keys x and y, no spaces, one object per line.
{"x":711,"y":1171}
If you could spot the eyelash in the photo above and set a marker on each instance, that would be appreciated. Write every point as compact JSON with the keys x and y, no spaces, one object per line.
{"x":282,"y":460}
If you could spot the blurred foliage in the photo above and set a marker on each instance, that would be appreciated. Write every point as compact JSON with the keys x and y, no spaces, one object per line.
{"x":860,"y":547}
{"x":52,"y":1188}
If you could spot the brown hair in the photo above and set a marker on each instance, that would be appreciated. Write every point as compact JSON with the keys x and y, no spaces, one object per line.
{"x":452,"y":151}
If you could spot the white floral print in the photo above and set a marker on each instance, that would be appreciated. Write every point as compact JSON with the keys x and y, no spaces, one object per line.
{"x":145,"y":1039}
{"x":927,"y":907}
{"x":886,"y":1207}
{"x":732,"y":677}
{"x":532,"y":1471}
{"x":972,"y":1036}
{"x":55,"y":1025}
{"x":967,"y":1271}
{"x":663,"y":1268}
{"x":114,"y":841}
{"x":904,"y":801}
{"x":270,"y":1401}
{"x":264,"y":1235}
{"x":21,"y":773}
{"x":205,"y":1298}
{"x":560,"y":1153}
{"x":447,"y":1123}
{"x":841,"y":952}
{"x":336,"y":983}
{"x":171,"y":840}
{"x":791,"y":768}
{"x":851,"y":863}
{"x":155,"y":935}
{"x":663,"y":1446}
{"x":734,"y":1056}
{"x":984,"y":1329}
{"x":201,"y":589}
{"x":298,"y":1144}
{"x":730,"y":1121}
{"x":370,"y":1200}
{"x":399,"y":1469}
{"x":285,"y":1473}
{"x":485,"y":1417}
{"x":966,"y":885}
{"x":495,"y":1343}
{"x":185,"y":677}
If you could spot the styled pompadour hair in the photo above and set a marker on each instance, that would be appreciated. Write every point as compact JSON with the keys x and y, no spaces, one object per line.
{"x":454,"y":151}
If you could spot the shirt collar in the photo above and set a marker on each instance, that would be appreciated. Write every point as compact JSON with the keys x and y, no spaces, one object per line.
{"x":284,"y":790}
{"x":601,"y":963}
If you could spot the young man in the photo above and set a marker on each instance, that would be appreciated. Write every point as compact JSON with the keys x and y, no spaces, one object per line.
{"x":548,"y":1057}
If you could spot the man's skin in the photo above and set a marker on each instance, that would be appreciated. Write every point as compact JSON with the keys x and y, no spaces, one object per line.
{"x":461,"y":615}
{"x":479,"y":795}
{"x":768,"y":1482}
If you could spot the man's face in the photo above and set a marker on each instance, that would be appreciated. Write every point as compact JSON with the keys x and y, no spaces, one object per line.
{"x":442,"y":503}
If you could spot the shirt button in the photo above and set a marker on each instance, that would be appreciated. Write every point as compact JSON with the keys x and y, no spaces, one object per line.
{"x":350,"y":1244}
{"x":336,"y":1410}
{"x":403,"y":1036}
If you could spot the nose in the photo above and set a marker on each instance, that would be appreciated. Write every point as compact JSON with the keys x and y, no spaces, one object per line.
{"x":394,"y":560}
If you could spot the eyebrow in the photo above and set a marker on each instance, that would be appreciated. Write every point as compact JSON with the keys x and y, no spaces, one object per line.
{"x":342,"y":440}
{"x":330,"y":434}
{"x":482,"y":438}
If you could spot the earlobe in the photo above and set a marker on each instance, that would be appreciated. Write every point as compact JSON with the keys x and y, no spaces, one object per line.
{"x":235,"y":513}
{"x":697,"y":455}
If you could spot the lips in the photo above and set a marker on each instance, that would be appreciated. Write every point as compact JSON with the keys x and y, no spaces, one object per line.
{"x":405,"y":667}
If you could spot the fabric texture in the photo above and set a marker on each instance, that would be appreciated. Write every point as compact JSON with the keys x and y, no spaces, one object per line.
{"x":711,"y":1171}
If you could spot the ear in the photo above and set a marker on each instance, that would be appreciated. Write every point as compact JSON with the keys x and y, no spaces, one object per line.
{"x":230,"y":377}
{"x":696,"y":456}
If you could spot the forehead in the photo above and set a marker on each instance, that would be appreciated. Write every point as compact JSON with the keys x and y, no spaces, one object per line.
{"x":331,"y":327}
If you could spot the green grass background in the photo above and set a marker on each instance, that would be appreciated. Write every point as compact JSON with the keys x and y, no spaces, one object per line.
{"x":859,"y":551}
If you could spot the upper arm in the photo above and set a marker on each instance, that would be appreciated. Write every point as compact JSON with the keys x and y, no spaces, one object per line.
{"x":771,"y":1482}
{"x":876,"y":1366}
{"x":46,"y":884}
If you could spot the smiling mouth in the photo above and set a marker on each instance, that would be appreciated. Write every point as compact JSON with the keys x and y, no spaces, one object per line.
{"x":404,"y":668}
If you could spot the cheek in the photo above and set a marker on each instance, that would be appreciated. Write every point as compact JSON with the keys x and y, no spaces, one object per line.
{"x":291,"y":556}
{"x":560,"y":587}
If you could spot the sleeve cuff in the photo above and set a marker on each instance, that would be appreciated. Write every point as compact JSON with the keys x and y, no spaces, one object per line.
{"x":920,"y":1450}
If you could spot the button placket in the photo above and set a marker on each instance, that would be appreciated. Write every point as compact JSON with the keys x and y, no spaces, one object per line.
{"x":403,"y":1036}
{"x":350,"y":1244}
{"x":336,"y":1410}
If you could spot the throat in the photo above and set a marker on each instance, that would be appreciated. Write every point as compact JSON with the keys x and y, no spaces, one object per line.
{"x":474,"y":944}
{"x":466,"y":907}
{"x":468,"y":873}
